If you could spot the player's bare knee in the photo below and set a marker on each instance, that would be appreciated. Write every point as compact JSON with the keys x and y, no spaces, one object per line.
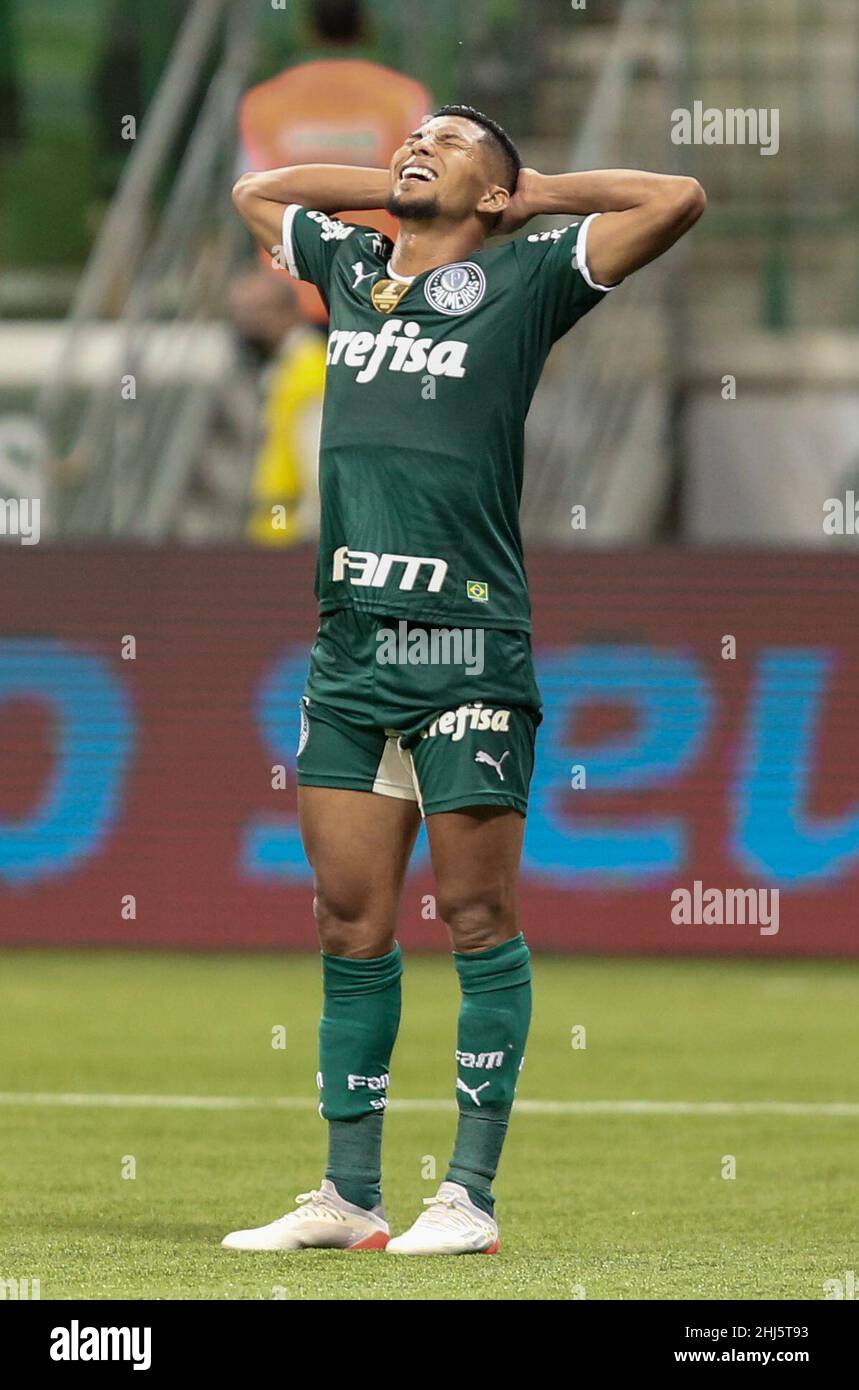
{"x":479,"y":923}
{"x":335,"y":925}
{"x":347,"y":931}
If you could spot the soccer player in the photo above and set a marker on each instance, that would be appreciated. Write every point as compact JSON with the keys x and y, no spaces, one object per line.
{"x":436,"y":346}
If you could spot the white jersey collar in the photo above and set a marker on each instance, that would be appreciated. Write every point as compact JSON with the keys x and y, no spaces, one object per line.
{"x":403,"y":279}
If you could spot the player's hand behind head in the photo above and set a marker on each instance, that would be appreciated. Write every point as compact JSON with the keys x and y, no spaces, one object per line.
{"x":522,"y":207}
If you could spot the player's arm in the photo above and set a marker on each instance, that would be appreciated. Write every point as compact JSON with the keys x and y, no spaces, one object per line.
{"x":645,"y":213}
{"x":261,"y":198}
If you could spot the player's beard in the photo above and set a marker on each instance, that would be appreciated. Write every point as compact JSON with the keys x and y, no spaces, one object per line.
{"x":423,"y":209}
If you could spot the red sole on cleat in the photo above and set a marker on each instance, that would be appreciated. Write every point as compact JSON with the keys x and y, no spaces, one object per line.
{"x":374,"y":1242}
{"x":492,"y":1249}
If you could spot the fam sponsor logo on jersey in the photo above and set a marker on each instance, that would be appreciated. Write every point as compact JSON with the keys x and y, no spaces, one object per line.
{"x":480,"y":1060}
{"x":330,"y":229}
{"x":455,"y":289}
{"x":399,"y":347}
{"x":474,"y":717}
{"x":369,"y":570}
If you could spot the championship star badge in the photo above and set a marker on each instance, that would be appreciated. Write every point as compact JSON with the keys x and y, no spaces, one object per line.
{"x":386,"y":294}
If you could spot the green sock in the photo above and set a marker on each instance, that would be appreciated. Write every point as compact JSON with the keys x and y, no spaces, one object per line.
{"x":360,"y":1019}
{"x":493,"y":1028}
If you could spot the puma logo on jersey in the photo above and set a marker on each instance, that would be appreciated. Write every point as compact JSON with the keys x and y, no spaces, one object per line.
{"x":368,"y":570}
{"x":361,"y":274}
{"x":481,"y":757}
{"x":489,"y":1060}
{"x":474,"y":717}
{"x":473,"y":1092}
{"x":399,"y":347}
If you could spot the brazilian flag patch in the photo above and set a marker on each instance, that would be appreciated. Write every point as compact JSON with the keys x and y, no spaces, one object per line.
{"x":477,"y":591}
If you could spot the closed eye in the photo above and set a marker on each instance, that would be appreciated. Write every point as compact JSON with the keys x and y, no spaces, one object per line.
{"x":444,"y":137}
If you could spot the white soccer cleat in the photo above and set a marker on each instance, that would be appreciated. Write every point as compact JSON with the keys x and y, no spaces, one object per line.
{"x":322,"y":1220}
{"x":451,"y":1225}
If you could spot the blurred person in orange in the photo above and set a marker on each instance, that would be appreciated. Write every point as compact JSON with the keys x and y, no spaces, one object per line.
{"x":336,"y":108}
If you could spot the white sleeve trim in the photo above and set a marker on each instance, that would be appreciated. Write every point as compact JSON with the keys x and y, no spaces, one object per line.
{"x":582,"y":254}
{"x":289,"y":215}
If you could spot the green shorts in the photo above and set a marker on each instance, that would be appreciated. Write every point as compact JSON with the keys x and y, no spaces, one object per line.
{"x":446,"y":718}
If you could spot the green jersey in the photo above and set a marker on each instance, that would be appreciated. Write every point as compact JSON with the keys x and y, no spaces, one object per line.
{"x":428,"y":384}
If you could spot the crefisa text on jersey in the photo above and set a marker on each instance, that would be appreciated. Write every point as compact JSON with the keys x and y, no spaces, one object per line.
{"x":366,"y":351}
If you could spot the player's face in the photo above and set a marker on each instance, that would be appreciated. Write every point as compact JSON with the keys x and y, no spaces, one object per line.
{"x":441,"y":170}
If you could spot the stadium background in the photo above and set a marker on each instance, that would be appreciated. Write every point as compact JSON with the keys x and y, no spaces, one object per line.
{"x":685,"y":1123}
{"x":704,"y":514}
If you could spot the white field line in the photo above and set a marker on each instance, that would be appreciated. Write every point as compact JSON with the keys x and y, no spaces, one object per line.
{"x":119,"y":1101}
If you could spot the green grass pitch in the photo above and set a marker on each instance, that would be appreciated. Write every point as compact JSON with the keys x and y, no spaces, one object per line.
{"x":605,"y":1205}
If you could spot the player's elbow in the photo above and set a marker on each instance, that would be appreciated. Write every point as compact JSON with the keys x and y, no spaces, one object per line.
{"x":244,"y":189}
{"x":685,"y":201}
{"x":271,"y":185}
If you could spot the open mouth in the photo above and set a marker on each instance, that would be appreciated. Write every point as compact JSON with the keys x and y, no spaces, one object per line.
{"x":418,"y":173}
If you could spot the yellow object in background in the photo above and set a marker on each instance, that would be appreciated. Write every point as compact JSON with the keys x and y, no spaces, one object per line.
{"x":284,"y":492}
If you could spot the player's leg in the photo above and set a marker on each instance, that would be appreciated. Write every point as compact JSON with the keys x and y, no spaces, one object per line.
{"x":358,"y":846}
{"x":358,"y":843}
{"x":475,"y":856}
{"x":473,"y":765}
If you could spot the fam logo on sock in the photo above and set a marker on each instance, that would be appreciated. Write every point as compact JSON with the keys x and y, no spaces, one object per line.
{"x":480,"y":1059}
{"x":371,"y":1083}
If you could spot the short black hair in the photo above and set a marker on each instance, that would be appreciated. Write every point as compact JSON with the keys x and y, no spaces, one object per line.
{"x":339,"y":21}
{"x":509,"y":153}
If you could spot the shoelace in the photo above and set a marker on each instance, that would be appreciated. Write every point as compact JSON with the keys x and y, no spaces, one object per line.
{"x":452,"y":1212}
{"x":316,"y":1204}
